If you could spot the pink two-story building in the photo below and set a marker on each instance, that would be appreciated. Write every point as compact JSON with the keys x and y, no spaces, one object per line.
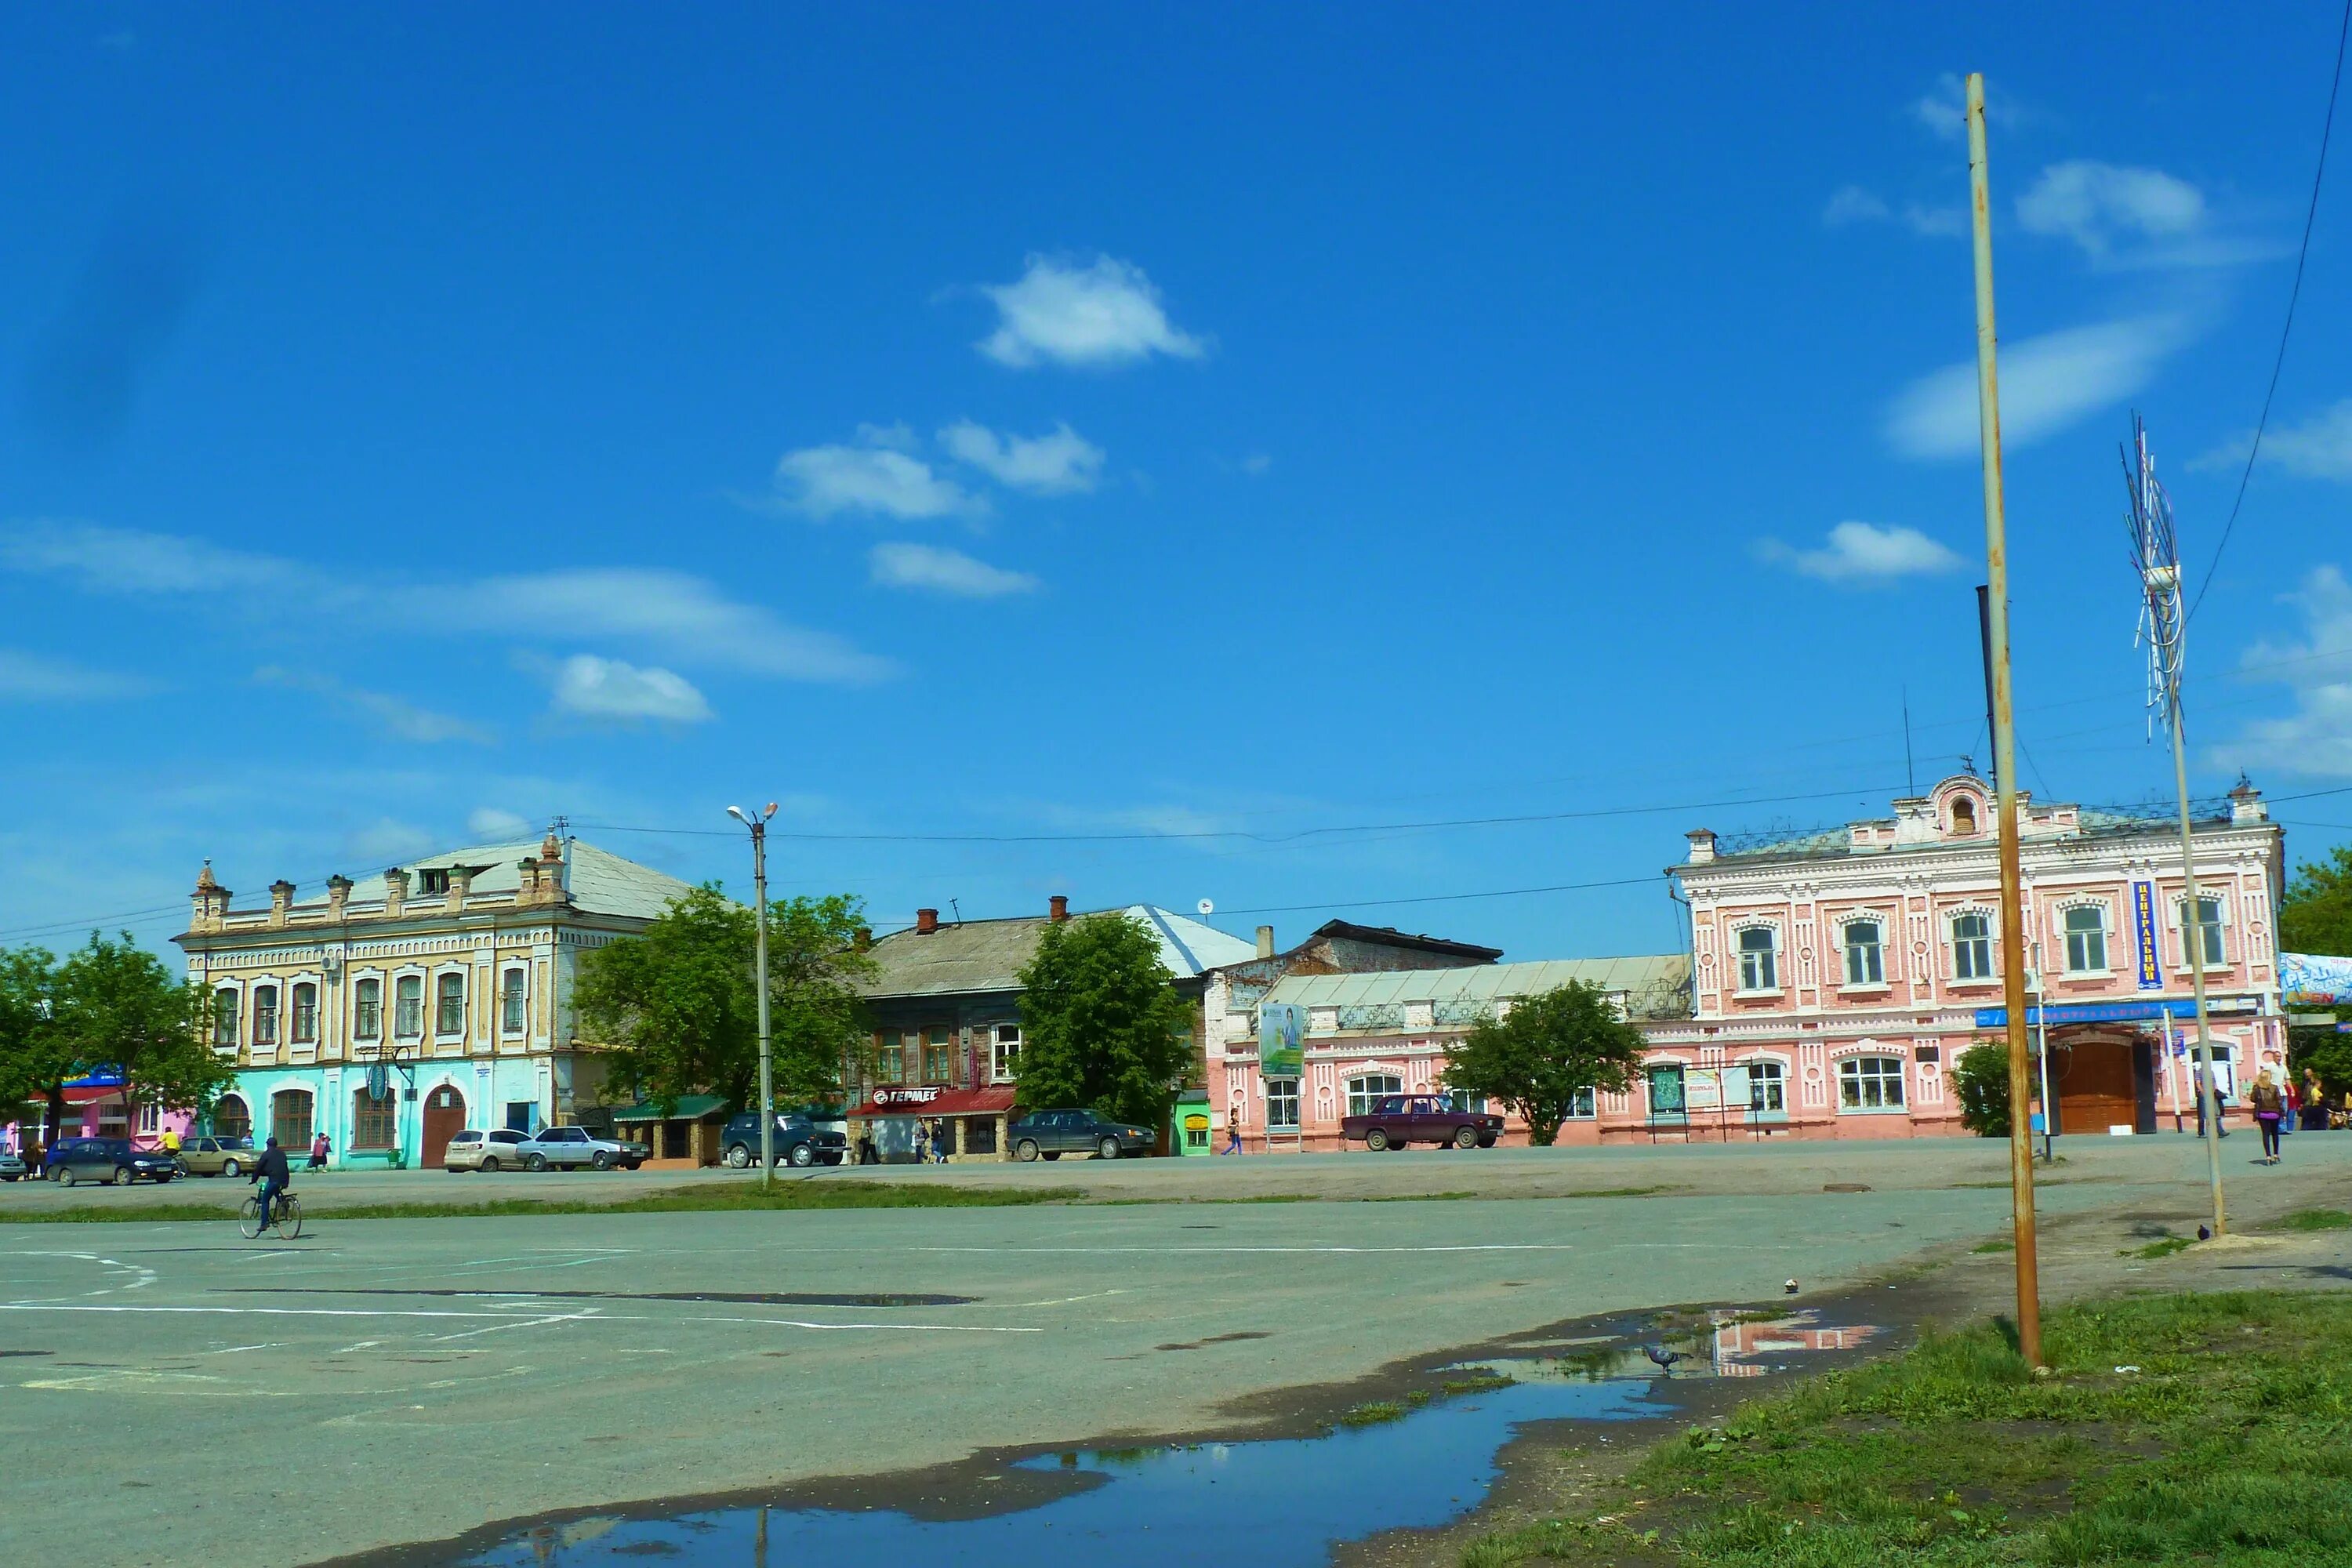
{"x":1836,"y":977}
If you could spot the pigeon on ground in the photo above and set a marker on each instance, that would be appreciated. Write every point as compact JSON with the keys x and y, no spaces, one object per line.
{"x":2204,"y":1234}
{"x":1791,"y":1287}
{"x":1662,"y":1356}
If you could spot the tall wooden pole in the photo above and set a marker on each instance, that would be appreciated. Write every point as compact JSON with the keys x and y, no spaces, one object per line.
{"x":2004,"y":750}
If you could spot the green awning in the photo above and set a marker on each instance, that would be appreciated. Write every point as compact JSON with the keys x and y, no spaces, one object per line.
{"x":689,"y":1107}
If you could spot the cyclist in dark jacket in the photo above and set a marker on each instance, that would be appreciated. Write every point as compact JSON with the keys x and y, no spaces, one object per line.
{"x":273,"y":1177}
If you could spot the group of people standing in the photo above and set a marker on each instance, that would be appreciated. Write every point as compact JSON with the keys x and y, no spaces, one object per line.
{"x":2281,"y":1106}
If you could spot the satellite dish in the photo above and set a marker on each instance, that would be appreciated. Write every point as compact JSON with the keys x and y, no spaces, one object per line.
{"x":1206,"y":907}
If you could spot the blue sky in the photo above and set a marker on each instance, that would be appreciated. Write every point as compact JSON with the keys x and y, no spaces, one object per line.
{"x":1007,"y":437}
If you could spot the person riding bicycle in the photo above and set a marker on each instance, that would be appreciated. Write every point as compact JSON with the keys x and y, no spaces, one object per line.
{"x":273,"y":1177}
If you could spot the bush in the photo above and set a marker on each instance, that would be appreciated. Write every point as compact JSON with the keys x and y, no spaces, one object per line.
{"x":1981,"y":1077}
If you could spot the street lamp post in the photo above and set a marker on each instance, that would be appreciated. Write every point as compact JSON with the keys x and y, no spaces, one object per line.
{"x":758,"y":827}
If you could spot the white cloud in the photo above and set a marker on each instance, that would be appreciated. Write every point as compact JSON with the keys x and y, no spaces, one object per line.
{"x":2099,"y":206}
{"x":2318,"y":448}
{"x":1257,"y":463}
{"x":2046,"y":384}
{"x":942,"y":571}
{"x":1100,"y":313}
{"x":876,"y":475}
{"x":1055,"y":463}
{"x":676,"y":615}
{"x":491,"y":825}
{"x":390,"y":841}
{"x":2317,"y":738}
{"x":29,"y":677}
{"x":397,"y":716}
{"x":1944,"y":109}
{"x":1853,"y":205}
{"x":596,"y":688}
{"x":1864,"y":553}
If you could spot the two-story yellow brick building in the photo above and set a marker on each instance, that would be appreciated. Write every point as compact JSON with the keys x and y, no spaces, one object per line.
{"x":390,"y":1012}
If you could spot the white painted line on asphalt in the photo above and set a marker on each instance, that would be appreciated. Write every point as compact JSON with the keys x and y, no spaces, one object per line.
{"x":519,"y":1323}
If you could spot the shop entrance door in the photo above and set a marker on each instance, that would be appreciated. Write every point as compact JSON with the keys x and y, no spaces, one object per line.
{"x":2096,"y":1086}
{"x":445,"y":1115}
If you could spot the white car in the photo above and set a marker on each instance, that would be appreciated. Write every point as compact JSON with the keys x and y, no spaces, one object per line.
{"x":577,"y":1149}
{"x":499,"y":1149}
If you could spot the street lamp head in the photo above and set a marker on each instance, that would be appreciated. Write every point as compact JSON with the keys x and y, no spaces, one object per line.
{"x":737,"y":813}
{"x":770,"y":812}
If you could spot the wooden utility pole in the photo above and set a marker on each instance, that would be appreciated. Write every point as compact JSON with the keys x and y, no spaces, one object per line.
{"x":2004,"y":751}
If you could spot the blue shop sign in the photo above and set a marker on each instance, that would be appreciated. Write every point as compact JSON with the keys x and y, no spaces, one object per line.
{"x":2102,"y":1012}
{"x":100,"y":1078}
{"x":2151,"y":960}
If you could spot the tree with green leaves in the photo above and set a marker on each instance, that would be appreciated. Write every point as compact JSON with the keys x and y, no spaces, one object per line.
{"x":1540,"y":1056}
{"x":2316,"y":915}
{"x":1981,"y":1077}
{"x":680,"y":1004}
{"x":119,"y":1007}
{"x":1101,"y":1023}
{"x":34,"y":1059}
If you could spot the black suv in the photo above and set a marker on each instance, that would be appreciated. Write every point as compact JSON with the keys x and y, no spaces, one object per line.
{"x":1054,"y":1133}
{"x":799,"y":1142}
{"x":108,"y":1160}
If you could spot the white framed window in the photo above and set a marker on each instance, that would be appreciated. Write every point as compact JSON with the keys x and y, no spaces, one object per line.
{"x":306,"y":1014}
{"x":2086,"y":938}
{"x":150,"y":1121}
{"x":449,"y":1003}
{"x":1004,"y":1052}
{"x":1768,"y":1086}
{"x":2206,"y":935}
{"x":1282,"y":1104}
{"x":1759,"y":959}
{"x":890,"y":1057}
{"x":1365,"y":1091}
{"x":1870,"y":1083}
{"x":1971,"y":946}
{"x":265,"y":1015}
{"x":1864,"y":962}
{"x":224,"y":1010}
{"x":408,"y":1006}
{"x":367,"y":1010}
{"x":1583,"y":1108}
{"x":511,"y":1001}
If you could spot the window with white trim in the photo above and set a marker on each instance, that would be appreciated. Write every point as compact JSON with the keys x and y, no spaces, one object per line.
{"x":1282,"y":1104}
{"x":224,"y":1017}
{"x":1004,"y":1052}
{"x":1767,"y":1087}
{"x":1364,"y":1092}
{"x":150,"y":1121}
{"x":265,"y":1015}
{"x":408,"y":1006}
{"x":511,"y":1001}
{"x":1971,"y":947}
{"x":306,"y":1014}
{"x":1864,"y":964}
{"x":367,"y":1010}
{"x":449,"y":1003}
{"x":1870,"y":1083}
{"x":2086,"y":938}
{"x":1759,"y":966}
{"x":2208,"y":932}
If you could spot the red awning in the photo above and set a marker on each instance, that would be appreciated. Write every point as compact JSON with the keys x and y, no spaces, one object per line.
{"x":91,"y":1096}
{"x":931,"y":1101}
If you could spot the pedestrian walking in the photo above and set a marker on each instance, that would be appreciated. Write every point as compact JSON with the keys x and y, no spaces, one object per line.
{"x":2293,"y":1102}
{"x":940,"y":1142}
{"x":922,"y":1144}
{"x":2314,"y":1102}
{"x":2223,"y":1128}
{"x":2269,"y":1109}
{"x":320,"y":1149}
{"x":1232,"y":1137}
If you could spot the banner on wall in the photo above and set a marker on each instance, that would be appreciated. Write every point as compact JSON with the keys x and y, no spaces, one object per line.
{"x":2151,"y":959}
{"x":1281,"y":1039}
{"x":2314,"y":980}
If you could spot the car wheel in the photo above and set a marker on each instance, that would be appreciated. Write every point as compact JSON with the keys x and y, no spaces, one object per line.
{"x":737,"y":1156}
{"x":490,"y":1164}
{"x":1465,"y":1138}
{"x":1051,"y":1154}
{"x":1025,"y":1151}
{"x":603,"y":1161}
{"x":1486,"y":1139}
{"x":535,"y":1162}
{"x":1401,"y":1143}
{"x":802,"y":1155}
{"x":231,"y":1168}
{"x":66,"y":1178}
{"x":1377,"y":1139}
{"x":1106,"y":1150}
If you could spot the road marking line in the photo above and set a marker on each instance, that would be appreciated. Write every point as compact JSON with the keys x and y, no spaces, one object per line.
{"x":519,"y":1323}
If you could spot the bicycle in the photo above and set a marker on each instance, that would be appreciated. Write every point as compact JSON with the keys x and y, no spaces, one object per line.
{"x":288,"y":1221}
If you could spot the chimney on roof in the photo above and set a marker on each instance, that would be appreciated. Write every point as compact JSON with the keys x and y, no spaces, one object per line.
{"x":1702,"y":845}
{"x":210,"y":900}
{"x":1265,"y":941}
{"x":527,"y":884}
{"x":395,"y":891}
{"x":339,"y":896}
{"x":281,"y":900}
{"x":926,"y":922}
{"x":862,"y":940}
{"x":1057,"y":908}
{"x":461,"y":882}
{"x":2246,"y":802}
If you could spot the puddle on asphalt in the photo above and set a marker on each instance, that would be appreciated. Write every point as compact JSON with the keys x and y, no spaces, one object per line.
{"x":1274,"y":1504}
{"x":1725,"y":1345}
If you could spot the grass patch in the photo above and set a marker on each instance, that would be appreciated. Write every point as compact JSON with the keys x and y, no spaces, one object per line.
{"x":2164,"y":1246}
{"x":1477,"y":1380}
{"x":2172,"y":1429}
{"x":675,"y":1200}
{"x":2003,"y":1245}
{"x":1373,"y":1414}
{"x":2315,"y":1219}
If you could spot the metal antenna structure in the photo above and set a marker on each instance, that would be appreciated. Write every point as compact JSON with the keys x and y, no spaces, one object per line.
{"x":2162,"y":627}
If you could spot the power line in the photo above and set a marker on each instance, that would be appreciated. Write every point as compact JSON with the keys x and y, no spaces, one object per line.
{"x":1440,"y":898}
{"x":2327,"y":126}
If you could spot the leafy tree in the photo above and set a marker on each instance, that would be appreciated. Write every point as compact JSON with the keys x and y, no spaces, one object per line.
{"x":1101,"y":1026}
{"x":2316,"y":915}
{"x":679,"y":1005}
{"x":1542,"y":1054}
{"x":34,"y":1059}
{"x":119,"y":1007}
{"x":1981,"y":1077}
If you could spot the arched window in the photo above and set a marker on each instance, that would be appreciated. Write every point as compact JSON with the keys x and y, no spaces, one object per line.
{"x":1759,"y":967}
{"x":1364,"y":1092}
{"x":230,"y":1117}
{"x":1768,"y":1086}
{"x":306,"y":1014}
{"x":225,"y":1018}
{"x":408,"y":1006}
{"x":2086,"y":940}
{"x":1971,"y":947}
{"x":289,"y":1118}
{"x":367,"y":1010}
{"x":265,"y":1015}
{"x":374,"y":1122}
{"x":1863,"y":965}
{"x":1964,"y":817}
{"x":1870,"y":1083}
{"x":511,"y":1012}
{"x":450,"y":1004}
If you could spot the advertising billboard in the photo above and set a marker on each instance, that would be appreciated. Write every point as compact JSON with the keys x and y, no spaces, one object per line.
{"x":1281,"y":1039}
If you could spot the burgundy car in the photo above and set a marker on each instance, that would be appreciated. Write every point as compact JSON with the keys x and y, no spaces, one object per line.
{"x":1397,"y":1120}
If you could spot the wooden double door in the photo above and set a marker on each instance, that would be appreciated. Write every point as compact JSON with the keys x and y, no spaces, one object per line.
{"x":445,"y":1117}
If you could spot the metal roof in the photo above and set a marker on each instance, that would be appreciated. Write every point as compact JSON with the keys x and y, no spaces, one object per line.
{"x":1648,"y":976}
{"x":600,"y":882}
{"x":989,"y":955}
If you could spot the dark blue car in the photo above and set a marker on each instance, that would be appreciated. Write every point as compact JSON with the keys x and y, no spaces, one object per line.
{"x":108,"y":1159}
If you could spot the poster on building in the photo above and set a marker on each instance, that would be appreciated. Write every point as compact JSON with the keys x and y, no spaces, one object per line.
{"x":2314,"y":980}
{"x":2151,"y":961}
{"x":1281,"y":1039}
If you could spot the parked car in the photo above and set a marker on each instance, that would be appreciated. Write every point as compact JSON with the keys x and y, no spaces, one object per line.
{"x":799,"y":1142}
{"x":1397,"y":1120}
{"x":575,"y":1148}
{"x":499,"y":1149}
{"x":108,"y":1160}
{"x":1050,"y":1134}
{"x":219,"y":1156}
{"x":12,"y":1166}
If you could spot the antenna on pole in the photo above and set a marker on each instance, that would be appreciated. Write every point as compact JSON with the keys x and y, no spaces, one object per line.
{"x":2155,"y":557}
